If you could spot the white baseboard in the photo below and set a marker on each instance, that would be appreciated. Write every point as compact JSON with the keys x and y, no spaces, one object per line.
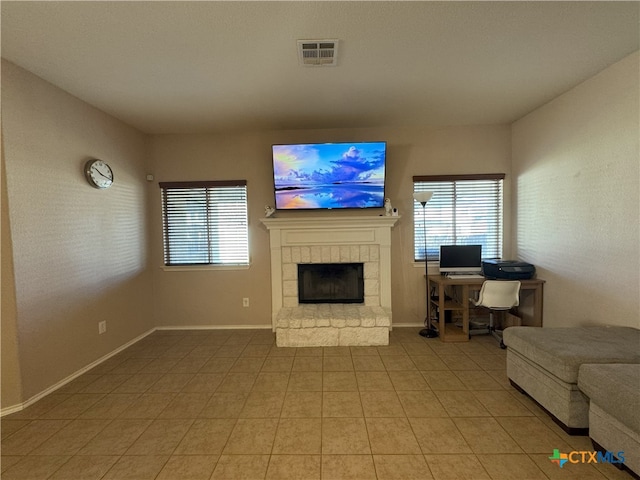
{"x":73,"y":376}
{"x":217,"y":327}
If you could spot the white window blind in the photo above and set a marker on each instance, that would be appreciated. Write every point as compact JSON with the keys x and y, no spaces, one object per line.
{"x":464,"y":210}
{"x":205,"y":223}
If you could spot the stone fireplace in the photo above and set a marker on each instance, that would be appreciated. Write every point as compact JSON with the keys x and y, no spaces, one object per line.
{"x":299,"y":241}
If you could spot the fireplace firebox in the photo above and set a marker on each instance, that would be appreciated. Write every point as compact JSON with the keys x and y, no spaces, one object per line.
{"x":330,"y":283}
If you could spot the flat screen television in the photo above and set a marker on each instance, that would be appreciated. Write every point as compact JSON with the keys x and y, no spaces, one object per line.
{"x":329,"y":175}
{"x":460,"y":259}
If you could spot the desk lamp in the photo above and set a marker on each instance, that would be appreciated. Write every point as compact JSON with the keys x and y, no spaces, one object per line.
{"x":422,"y":198}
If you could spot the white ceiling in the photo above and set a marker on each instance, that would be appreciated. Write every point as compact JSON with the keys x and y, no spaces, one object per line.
{"x":179,"y":67}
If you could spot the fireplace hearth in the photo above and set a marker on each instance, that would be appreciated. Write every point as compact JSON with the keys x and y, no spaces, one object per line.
{"x":331,"y":283}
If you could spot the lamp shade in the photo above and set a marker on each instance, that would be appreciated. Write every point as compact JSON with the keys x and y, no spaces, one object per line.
{"x":422,"y":197}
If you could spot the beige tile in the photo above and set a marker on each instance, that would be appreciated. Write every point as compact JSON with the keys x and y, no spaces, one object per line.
{"x":581,"y":471}
{"x":263,"y":405}
{"x":9,"y":461}
{"x":337,"y":363}
{"x":91,"y":467}
{"x":348,"y":467}
{"x":45,"y":404}
{"x":34,"y":467}
{"x":485,"y":435}
{"x":10,"y":426}
{"x":271,"y":382}
{"x":490,"y":362}
{"x":391,"y":349}
{"x":256,"y":350}
{"x":106,"y":383}
{"x":238,"y":382}
{"x":188,"y":467}
{"x":417,"y":348}
{"x":533,"y":435}
{"x":478,"y":380}
{"x":298,"y":436}
{"x":116,"y":437}
{"x":204,"y":351}
{"x":277,"y":364}
{"x":307,"y":364}
{"x":344,"y":436}
{"x":397,"y":363}
{"x":508,"y":467}
{"x":459,"y":362}
{"x":171,"y":382}
{"x":459,"y":403}
{"x":218,"y":365}
{"x":368,"y":363}
{"x":31,"y":436}
{"x":252,"y":436}
{"x":110,"y":406}
{"x":443,"y":380}
{"x":302,"y":405}
{"x":456,"y":467}
{"x":230,"y":351}
{"x":341,"y":404}
{"x":401,"y":467}
{"x":224,"y":405}
{"x":308,"y":351}
{"x":203,"y":383}
{"x":159,"y":365}
{"x":339,"y":382}
{"x":148,"y":405}
{"x":185,"y":405}
{"x":160,"y":438}
{"x":373,"y":381}
{"x":71,"y":438}
{"x":364,"y":351}
{"x":247,"y":365}
{"x":137,"y":467}
{"x":73,"y":406}
{"x":381,"y":404}
{"x":428,"y":362}
{"x":282,"y":351}
{"x":189,"y":364}
{"x":392,"y":436}
{"x":139,"y":383}
{"x":408,"y":380}
{"x":205,"y":437}
{"x":241,"y":467}
{"x":336,"y":351}
{"x":502,"y":404}
{"x":438,"y":435}
{"x":421,"y":404}
{"x":305,"y":382}
{"x":130,"y":365}
{"x":294,"y":467}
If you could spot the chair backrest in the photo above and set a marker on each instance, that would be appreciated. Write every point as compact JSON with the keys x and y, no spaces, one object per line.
{"x":499,"y":294}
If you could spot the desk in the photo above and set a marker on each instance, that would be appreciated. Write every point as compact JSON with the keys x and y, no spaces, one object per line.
{"x":453,"y":295}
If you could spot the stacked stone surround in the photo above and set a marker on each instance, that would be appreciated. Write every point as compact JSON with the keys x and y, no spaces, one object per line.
{"x":344,"y":240}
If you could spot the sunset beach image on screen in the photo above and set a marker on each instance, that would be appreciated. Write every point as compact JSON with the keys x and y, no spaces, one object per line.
{"x":329,"y":175}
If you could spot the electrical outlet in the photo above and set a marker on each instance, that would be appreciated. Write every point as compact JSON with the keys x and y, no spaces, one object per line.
{"x":245,"y":302}
{"x":102,"y":327}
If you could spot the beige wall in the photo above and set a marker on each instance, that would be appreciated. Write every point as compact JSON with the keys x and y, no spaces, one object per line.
{"x":576,"y":204}
{"x":213,"y":297}
{"x":11,"y":389}
{"x":80,"y":254}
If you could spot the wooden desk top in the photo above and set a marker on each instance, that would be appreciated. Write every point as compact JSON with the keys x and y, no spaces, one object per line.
{"x":532,"y":283}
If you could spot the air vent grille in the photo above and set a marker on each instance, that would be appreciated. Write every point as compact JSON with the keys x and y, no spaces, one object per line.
{"x":318,"y":53}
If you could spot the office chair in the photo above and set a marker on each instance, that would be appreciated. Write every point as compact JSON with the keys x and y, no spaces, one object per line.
{"x":496,"y":295}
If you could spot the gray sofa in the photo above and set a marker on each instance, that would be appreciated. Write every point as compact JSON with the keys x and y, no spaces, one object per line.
{"x":614,"y":409}
{"x":544,"y":363}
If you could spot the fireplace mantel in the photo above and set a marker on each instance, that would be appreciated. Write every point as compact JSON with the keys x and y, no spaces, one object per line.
{"x":330,"y":239}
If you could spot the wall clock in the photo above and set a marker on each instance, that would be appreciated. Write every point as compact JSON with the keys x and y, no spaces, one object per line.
{"x":98,"y":173}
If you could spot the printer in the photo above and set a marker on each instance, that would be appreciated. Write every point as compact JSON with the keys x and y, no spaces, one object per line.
{"x":507,"y":269}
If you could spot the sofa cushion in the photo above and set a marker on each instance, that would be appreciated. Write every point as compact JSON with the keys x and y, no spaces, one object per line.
{"x":615,"y":388}
{"x":561,"y":351}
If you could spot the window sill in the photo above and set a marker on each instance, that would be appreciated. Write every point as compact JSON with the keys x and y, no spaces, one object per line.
{"x":198,"y":268}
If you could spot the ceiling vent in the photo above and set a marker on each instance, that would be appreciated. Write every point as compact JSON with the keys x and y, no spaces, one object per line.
{"x":318,"y":53}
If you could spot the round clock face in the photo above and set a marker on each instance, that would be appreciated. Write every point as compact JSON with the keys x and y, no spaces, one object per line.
{"x":98,"y":174}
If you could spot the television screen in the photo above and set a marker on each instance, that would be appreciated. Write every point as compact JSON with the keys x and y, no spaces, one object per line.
{"x":460,"y":258}
{"x":329,"y":175}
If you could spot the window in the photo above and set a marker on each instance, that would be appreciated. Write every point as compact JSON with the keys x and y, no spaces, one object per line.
{"x":205,"y":223}
{"x":464,"y":210}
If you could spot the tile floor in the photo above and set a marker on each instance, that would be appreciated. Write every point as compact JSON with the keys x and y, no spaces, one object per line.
{"x":231,"y":405}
